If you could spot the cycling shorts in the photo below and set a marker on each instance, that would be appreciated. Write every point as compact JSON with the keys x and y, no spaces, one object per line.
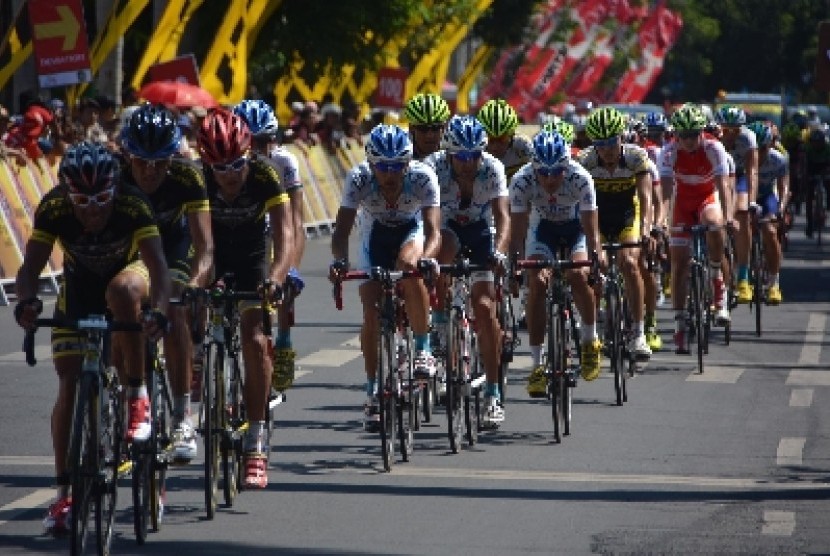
{"x":477,"y":240}
{"x":769,"y":205}
{"x":548,"y":238}
{"x":687,"y":212}
{"x":620,"y":223}
{"x":382,"y":244}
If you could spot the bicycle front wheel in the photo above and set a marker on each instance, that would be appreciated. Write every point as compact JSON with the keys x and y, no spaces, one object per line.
{"x":613,"y":335}
{"x":697,"y":312}
{"x":455,"y":384}
{"x":756,"y":264}
{"x":213,"y":363}
{"x":555,"y":372}
{"x":231,"y":444}
{"x":161,"y":442}
{"x":111,"y":433}
{"x":386,"y":368}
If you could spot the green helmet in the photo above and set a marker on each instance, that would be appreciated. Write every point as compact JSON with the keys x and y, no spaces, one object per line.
{"x":563,"y":128}
{"x":763,"y":134}
{"x":604,"y":123}
{"x":427,"y":108}
{"x":688,"y":118}
{"x":498,"y":118}
{"x":791,"y":133}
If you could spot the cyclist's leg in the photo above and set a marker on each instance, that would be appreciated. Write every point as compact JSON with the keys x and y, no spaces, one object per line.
{"x":633,"y":278}
{"x":258,"y":367}
{"x":416,"y":301}
{"x":743,"y":238}
{"x":685,"y":213}
{"x":712,"y":215}
{"x":770,"y":213}
{"x":809,"y":194}
{"x":585,"y":301}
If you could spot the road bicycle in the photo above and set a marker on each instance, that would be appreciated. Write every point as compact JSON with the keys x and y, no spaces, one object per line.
{"x":398,"y":393}
{"x":509,"y":329}
{"x":97,"y":437}
{"x":562,"y":339}
{"x":617,"y":322}
{"x":818,"y":203}
{"x":222,"y":417}
{"x":758,"y":274}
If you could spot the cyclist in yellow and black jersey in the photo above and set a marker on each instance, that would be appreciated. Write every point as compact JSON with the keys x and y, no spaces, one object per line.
{"x":623,"y":185}
{"x":176,"y":188}
{"x":242,"y":191}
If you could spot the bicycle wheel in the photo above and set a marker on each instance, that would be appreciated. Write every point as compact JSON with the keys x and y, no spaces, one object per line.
{"x":213,"y":363}
{"x":554,"y":371}
{"x":567,"y":327}
{"x":407,"y":398}
{"x":696,"y":293}
{"x":83,"y":461}
{"x":613,"y":315}
{"x":141,"y":489}
{"x":472,"y":396}
{"x":231,"y":444}
{"x":386,"y":366}
{"x":505,"y":317}
{"x":756,"y":263}
{"x":110,"y":436}
{"x":161,"y":440}
{"x":455,"y":383}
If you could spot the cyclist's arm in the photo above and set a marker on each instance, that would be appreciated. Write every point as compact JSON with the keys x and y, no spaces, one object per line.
{"x":722,"y":187}
{"x":501,"y":215}
{"x":751,"y":165}
{"x":644,"y":188}
{"x":590,"y":225}
{"x":658,"y":213}
{"x":37,"y":255}
{"x":342,"y":228}
{"x":297,"y":202}
{"x":783,"y":187}
{"x":152,"y":255}
{"x":518,"y":232}
{"x":432,"y":231}
{"x":282,"y":232}
{"x":201,"y":234}
{"x":667,"y":187}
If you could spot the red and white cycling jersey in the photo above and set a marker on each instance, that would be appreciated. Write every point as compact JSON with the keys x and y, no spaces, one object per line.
{"x":694,"y":172}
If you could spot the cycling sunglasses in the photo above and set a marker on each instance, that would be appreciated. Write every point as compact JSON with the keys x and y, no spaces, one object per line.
{"x":549,"y":171}
{"x":152,"y":162}
{"x":610,"y":142}
{"x":466,"y":156}
{"x":234,"y":166}
{"x":692,"y":134}
{"x":428,"y":127}
{"x":82,"y":200}
{"x":389,"y":167}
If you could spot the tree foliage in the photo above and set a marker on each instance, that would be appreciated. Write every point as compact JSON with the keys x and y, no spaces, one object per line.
{"x":503,"y":24}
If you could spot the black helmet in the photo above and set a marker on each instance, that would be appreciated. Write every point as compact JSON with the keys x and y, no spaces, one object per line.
{"x":151,"y":132}
{"x":88,"y":168}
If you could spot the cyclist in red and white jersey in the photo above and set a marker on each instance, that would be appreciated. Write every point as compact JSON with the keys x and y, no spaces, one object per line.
{"x":694,"y":166}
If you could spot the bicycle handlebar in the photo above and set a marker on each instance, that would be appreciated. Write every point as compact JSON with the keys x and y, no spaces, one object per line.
{"x":376,"y":274}
{"x":83,"y":324}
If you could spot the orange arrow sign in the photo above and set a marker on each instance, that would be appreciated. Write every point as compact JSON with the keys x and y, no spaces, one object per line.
{"x":67,"y":26}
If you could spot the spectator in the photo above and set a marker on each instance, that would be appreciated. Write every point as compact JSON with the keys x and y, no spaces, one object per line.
{"x":88,"y":114}
{"x":187,"y":148}
{"x":25,"y":135}
{"x":107,"y":117}
{"x":330,"y":128}
{"x":303,"y":130}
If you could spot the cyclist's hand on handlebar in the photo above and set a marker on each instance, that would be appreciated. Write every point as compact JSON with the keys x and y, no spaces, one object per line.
{"x":429,"y":267}
{"x":337,"y":269}
{"x":733,"y":225}
{"x":498,"y":261}
{"x":27,"y":311}
{"x":155,"y":324}
{"x":272,"y":292}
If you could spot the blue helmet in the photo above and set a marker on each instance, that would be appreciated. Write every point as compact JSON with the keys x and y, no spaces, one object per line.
{"x":259,"y":116}
{"x":151,"y":132}
{"x":388,"y":143}
{"x":656,"y":120}
{"x":89,"y":168}
{"x":763,"y":133}
{"x":550,"y":149}
{"x":464,"y":133}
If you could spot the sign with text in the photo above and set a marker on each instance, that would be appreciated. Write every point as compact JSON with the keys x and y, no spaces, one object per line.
{"x":391,"y":88}
{"x":182,"y":69}
{"x":60,"y":42}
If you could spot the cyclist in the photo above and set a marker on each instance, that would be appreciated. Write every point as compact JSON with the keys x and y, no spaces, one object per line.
{"x":741,"y":144}
{"x":176,"y":190}
{"x":657,"y":135}
{"x":400,"y":204}
{"x":694,"y":166}
{"x":773,"y":192}
{"x":817,"y":155}
{"x":561,"y":193}
{"x":475,"y":216}
{"x":103,"y":227}
{"x":793,"y":140}
{"x":263,"y":124}
{"x":500,"y":122}
{"x":242,"y":189}
{"x":622,"y":183}
{"x":427,"y":114}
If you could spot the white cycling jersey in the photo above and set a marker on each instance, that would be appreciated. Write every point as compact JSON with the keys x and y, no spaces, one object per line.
{"x":775,"y":166}
{"x":744,"y":142}
{"x":575,"y":195}
{"x":490,"y":183}
{"x":287,"y":166}
{"x":518,"y":154}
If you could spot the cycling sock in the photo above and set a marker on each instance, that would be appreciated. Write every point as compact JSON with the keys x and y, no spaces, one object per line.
{"x":491,"y":390}
{"x":62,"y":481}
{"x":639,"y":328}
{"x":679,"y":320}
{"x":536,"y":355}
{"x":773,"y":279}
{"x":743,"y":272}
{"x":181,"y":407}
{"x":370,"y":387}
{"x":651,"y":320}
{"x":589,"y":332}
{"x":440,"y":317}
{"x":715,"y":269}
{"x":421,"y":342}
{"x":283,"y":340}
{"x":254,"y":438}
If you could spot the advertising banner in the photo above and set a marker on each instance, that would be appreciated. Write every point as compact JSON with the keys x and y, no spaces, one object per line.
{"x":60,"y":42}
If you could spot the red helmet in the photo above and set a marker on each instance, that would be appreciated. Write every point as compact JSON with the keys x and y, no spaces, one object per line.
{"x":223,"y":137}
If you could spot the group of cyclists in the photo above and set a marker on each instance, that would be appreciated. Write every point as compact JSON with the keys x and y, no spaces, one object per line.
{"x":144,"y":225}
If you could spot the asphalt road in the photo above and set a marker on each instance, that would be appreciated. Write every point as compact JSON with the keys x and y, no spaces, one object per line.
{"x":736,"y":461}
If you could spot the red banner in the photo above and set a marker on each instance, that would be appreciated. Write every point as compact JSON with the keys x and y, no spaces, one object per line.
{"x":60,"y":42}
{"x":182,"y":69}
{"x":391,"y":87}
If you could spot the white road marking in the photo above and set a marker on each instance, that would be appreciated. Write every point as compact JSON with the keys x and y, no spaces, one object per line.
{"x":790,"y":451}
{"x":27,"y":460}
{"x":521,"y":362}
{"x":801,"y":397}
{"x":747,"y":483}
{"x":22,"y":505}
{"x":778,"y":523}
{"x":352,"y":342}
{"x":714,"y":373}
{"x":811,"y":350}
{"x":812,"y":377}
{"x":329,"y":357}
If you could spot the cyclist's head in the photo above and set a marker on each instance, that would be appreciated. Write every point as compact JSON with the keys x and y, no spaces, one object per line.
{"x":763,"y":133}
{"x":605,"y":123}
{"x":388,"y":144}
{"x":88,"y":168}
{"x":563,"y":128}
{"x":688,"y":118}
{"x":464,"y":133}
{"x":550,"y":150}
{"x":713,"y":128}
{"x":427,"y":109}
{"x":223,"y":137}
{"x":151,"y":133}
{"x":637,"y":130}
{"x":498,"y":118}
{"x":655,"y":122}
{"x":260,"y":118}
{"x":730,"y":115}
{"x":791,"y":133}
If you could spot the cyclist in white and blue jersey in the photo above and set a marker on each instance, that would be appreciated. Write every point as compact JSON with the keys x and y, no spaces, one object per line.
{"x":398,"y":198}
{"x":561,"y":193}
{"x":773,"y":190}
{"x":475,"y":217}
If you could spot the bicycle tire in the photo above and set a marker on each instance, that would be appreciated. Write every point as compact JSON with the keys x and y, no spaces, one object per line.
{"x":697,"y":310}
{"x":407,"y":400}
{"x":426,"y":401}
{"x":554,"y":371}
{"x":386,"y":402}
{"x":455,"y":378}
{"x":756,"y":263}
{"x":505,"y":310}
{"x":613,"y":312}
{"x":472,"y":397}
{"x":110,"y":435}
{"x":162,"y":407}
{"x":231,"y":445}
{"x":567,"y":326}
{"x":141,"y":490}
{"x":213,"y":358}
{"x":81,"y":459}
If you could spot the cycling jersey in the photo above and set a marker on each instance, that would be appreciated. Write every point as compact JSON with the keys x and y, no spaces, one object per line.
{"x":774,"y":166}
{"x":287,"y":166}
{"x":617,"y":202}
{"x":744,"y":142}
{"x":238,"y":225}
{"x":518,"y":154}
{"x":490,"y":183}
